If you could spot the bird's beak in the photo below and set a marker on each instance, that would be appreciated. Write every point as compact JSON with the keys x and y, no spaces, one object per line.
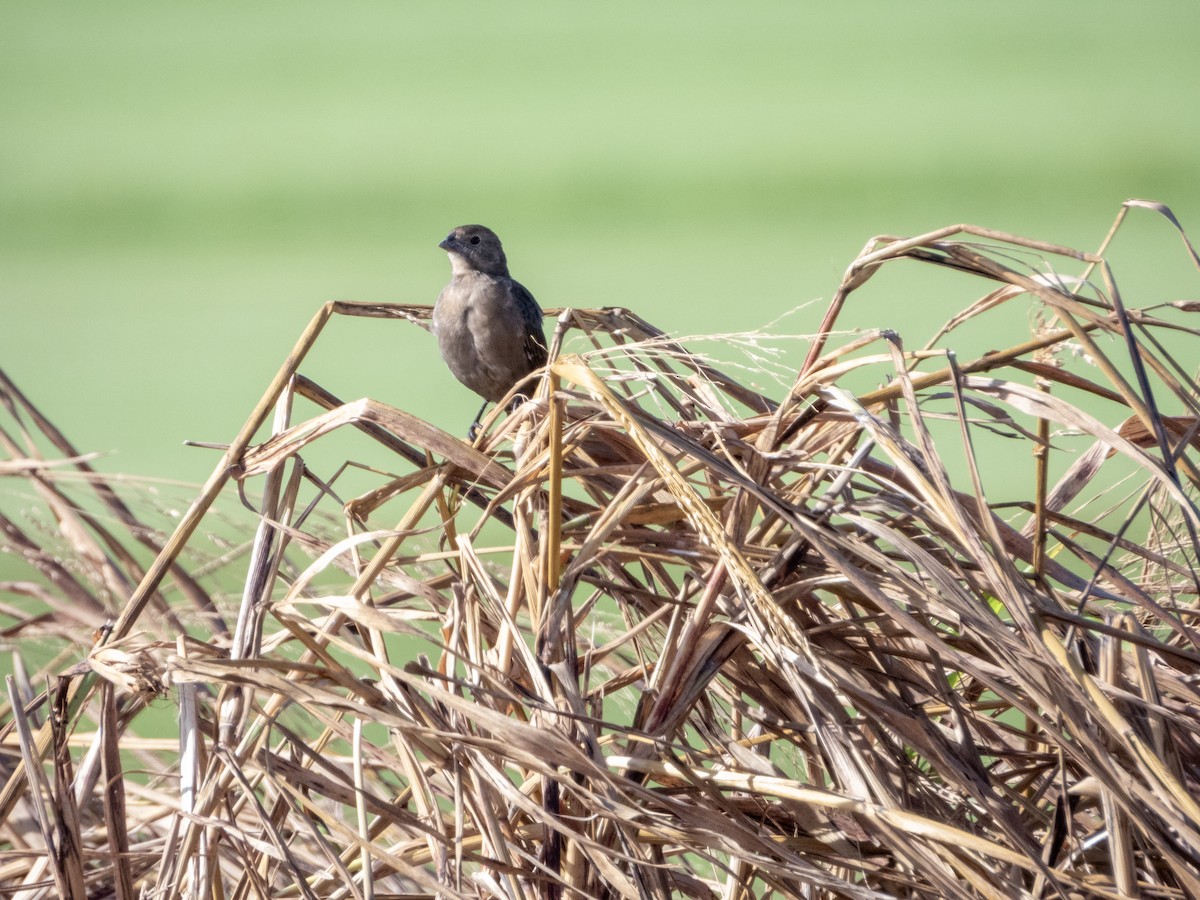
{"x":449,"y":243}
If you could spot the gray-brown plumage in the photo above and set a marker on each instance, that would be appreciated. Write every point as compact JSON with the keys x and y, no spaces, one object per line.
{"x":488,"y":326}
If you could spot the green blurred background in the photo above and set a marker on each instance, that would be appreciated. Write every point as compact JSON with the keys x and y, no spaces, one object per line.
{"x":181,"y":186}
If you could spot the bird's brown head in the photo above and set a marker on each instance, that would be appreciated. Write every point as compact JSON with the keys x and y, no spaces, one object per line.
{"x":475,"y":248}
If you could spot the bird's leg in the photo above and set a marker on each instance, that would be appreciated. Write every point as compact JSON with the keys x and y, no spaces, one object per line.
{"x":474,"y":429}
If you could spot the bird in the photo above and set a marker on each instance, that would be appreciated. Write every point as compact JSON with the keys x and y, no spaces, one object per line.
{"x":488,"y":326}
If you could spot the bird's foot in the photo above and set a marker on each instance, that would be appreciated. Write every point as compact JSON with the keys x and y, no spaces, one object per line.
{"x":473,"y":431}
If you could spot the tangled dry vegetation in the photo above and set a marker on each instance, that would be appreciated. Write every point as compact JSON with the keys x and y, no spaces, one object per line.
{"x":655,"y":635}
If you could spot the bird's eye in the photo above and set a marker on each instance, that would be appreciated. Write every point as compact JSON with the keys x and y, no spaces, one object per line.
{"x":474,"y":239}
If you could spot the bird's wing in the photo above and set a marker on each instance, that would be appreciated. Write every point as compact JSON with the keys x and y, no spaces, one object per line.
{"x":535,"y":333}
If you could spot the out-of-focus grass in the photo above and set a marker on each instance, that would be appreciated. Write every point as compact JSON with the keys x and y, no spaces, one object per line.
{"x":180,"y":187}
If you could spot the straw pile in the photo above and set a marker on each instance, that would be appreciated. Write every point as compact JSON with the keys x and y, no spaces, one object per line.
{"x":656,"y":634}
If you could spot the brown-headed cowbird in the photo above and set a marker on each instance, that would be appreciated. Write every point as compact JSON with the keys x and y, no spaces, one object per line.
{"x":488,"y":327}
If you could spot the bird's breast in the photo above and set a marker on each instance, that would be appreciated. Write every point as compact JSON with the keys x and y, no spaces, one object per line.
{"x":479,"y":335}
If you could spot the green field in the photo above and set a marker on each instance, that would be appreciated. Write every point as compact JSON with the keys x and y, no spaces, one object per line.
{"x":181,"y":187}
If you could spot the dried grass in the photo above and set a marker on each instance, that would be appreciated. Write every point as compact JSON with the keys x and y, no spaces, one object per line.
{"x":656,"y":634}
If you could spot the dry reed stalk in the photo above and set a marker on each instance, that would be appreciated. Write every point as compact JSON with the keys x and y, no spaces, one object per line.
{"x":656,"y":634}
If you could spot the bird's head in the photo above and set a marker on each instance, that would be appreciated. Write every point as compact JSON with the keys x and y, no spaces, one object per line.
{"x":475,"y":248}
